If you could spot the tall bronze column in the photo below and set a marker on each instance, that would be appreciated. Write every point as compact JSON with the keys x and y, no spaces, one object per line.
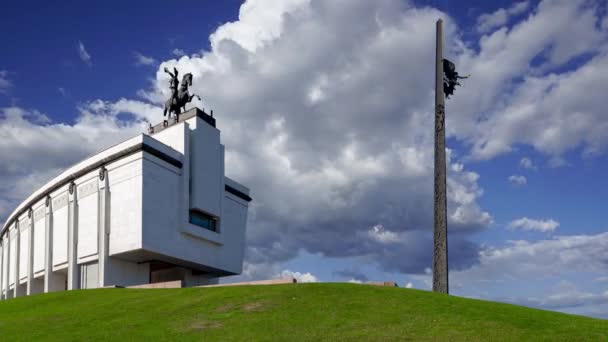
{"x":440,"y":235}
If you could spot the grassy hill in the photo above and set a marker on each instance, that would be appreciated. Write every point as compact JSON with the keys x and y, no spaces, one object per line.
{"x":283,"y":312}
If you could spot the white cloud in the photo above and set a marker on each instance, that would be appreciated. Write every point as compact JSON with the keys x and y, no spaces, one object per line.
{"x":260,"y":21}
{"x":62,"y":91}
{"x":527,"y":163}
{"x":528,"y":97}
{"x":486,"y":22}
{"x":251,"y":271}
{"x":409,"y":285}
{"x":579,"y":258}
{"x":355,"y":281}
{"x":565,"y":113}
{"x":519,"y":8}
{"x":271,"y":270}
{"x":463,"y":192}
{"x":34,"y":149}
{"x":525,"y":223}
{"x":178,"y":52}
{"x":570,"y":298}
{"x":335,"y":141}
{"x":300,"y":277}
{"x":518,"y":180}
{"x":84,"y":55}
{"x":526,"y":261}
{"x":5,"y":83}
{"x":143,"y":60}
{"x":378,"y":233}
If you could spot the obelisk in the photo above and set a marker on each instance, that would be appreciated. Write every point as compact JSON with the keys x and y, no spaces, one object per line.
{"x":440,"y":233}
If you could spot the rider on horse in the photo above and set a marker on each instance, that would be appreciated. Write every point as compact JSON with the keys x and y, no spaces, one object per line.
{"x":179,"y":97}
{"x":173,"y":83}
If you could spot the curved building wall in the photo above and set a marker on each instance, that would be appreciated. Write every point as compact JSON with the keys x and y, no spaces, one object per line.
{"x":117,"y":217}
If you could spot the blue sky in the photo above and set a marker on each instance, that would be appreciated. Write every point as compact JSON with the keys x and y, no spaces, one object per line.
{"x":324,"y":111}
{"x":44,"y":39}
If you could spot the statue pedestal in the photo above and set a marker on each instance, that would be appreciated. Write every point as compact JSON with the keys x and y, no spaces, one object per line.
{"x":181,"y":118}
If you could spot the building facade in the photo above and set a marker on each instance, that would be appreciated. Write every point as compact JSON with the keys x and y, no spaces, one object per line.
{"x":151,"y":209}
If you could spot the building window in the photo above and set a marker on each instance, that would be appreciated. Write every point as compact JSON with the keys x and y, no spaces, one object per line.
{"x":203,"y":220}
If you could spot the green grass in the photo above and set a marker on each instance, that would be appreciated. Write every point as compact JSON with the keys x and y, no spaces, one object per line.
{"x":306,"y":312}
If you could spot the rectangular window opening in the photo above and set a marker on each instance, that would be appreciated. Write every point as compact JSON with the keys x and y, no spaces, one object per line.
{"x":203,"y":220}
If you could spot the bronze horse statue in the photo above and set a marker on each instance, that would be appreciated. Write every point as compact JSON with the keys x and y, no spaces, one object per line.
{"x":179,"y":97}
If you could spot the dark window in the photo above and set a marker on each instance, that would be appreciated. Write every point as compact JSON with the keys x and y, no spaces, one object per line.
{"x":203,"y":220}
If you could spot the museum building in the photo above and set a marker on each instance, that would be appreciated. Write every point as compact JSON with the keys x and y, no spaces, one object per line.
{"x":152,"y":209}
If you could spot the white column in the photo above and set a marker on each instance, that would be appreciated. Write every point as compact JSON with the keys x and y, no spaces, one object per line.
{"x":73,"y":274}
{"x":2,"y":246}
{"x":103,"y":227}
{"x":30,"y":253}
{"x":17,"y":241}
{"x":8,"y":263}
{"x":48,"y":241}
{"x":49,"y":276}
{"x":184,"y":204}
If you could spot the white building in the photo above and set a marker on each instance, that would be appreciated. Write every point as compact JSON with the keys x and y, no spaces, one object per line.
{"x":151,"y":209}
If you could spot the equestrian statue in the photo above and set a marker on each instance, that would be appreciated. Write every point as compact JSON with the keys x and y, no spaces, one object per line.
{"x":179,"y":97}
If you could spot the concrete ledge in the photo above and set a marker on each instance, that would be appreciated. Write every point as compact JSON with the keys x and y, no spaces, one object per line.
{"x":259,"y":282}
{"x":176,"y":284}
{"x":382,"y":283}
{"x":190,"y":113}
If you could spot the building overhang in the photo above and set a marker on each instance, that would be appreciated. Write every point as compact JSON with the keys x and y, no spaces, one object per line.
{"x":143,"y":256}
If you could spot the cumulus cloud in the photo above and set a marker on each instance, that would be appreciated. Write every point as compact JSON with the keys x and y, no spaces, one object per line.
{"x":35,"y":149}
{"x":463,"y":192}
{"x":565,"y":295}
{"x":263,"y":271}
{"x":178,"y":52}
{"x":525,"y":223}
{"x":527,"y":163}
{"x":525,"y":260}
{"x":527,"y":98}
{"x":518,"y":180}
{"x":83,"y":54}
{"x":488,"y":21}
{"x":5,"y":83}
{"x":332,"y":144}
{"x":562,"y":300}
{"x":409,"y":285}
{"x":253,"y":271}
{"x":379,"y":234}
{"x":143,"y":60}
{"x":300,"y":277}
{"x":536,"y":264}
{"x":257,"y":24}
